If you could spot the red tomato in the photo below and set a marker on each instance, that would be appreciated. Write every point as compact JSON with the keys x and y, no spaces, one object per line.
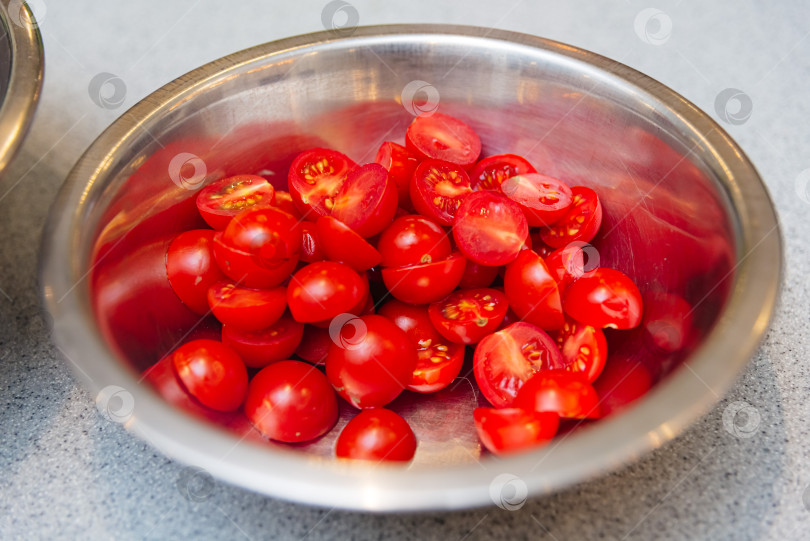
{"x":543,"y":199}
{"x":476,"y":275}
{"x":443,"y":137}
{"x":247,"y":269}
{"x":222,"y":200}
{"x":367,"y":200}
{"x":191,"y":269}
{"x":532,"y":291}
{"x":265,"y":346}
{"x":604,"y":298}
{"x":377,"y":435}
{"x":291,"y":401}
{"x":244,"y":308}
{"x":342,"y":244}
{"x":584,"y":348}
{"x":542,"y":249}
{"x":508,"y":430}
{"x":411,"y":240}
{"x":284,"y":201}
{"x":314,"y":345}
{"x":425,"y":283}
{"x":489,"y":228}
{"x":400,"y":163}
{"x":322,"y":290}
{"x":437,"y":189}
{"x":567,"y":264}
{"x":312,"y":247}
{"x":580,"y":222}
{"x":668,"y":321}
{"x":505,"y":360}
{"x":370,"y":362}
{"x":489,"y":173}
{"x":468,"y":315}
{"x":566,"y":393}
{"x":315,"y":177}
{"x":621,"y":382}
{"x":412,"y":319}
{"x":212,"y":373}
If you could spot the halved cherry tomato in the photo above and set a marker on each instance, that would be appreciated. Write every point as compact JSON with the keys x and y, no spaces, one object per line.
{"x":323,"y":290}
{"x":489,"y":173}
{"x":543,"y":199}
{"x":532,"y":291}
{"x":245,"y":308}
{"x":668,"y":321}
{"x":584,"y":348}
{"x":291,"y":401}
{"x":442,"y":137}
{"x":566,"y":393}
{"x":468,"y":315}
{"x":212,"y":373}
{"x":342,"y":244}
{"x":508,"y":430}
{"x":315,"y":177}
{"x":489,"y":228}
{"x":367,"y":200}
{"x":312,"y":247}
{"x":284,"y":201}
{"x":604,"y":298}
{"x":505,"y":360}
{"x":622,"y":382}
{"x":265,"y":346}
{"x":400,"y":163}
{"x":378,"y":435}
{"x":249,"y":270}
{"x":191,"y":269}
{"x":580,"y":222}
{"x":314,"y":344}
{"x":411,"y":240}
{"x":425,"y":283}
{"x":222,"y":200}
{"x":437,"y":189}
{"x":568,"y":263}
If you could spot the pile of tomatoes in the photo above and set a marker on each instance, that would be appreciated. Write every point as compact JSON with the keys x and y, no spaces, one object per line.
{"x":362,"y":281}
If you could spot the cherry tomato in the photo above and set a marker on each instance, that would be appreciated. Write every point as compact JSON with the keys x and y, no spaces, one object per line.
{"x":622,"y":382}
{"x":212,"y":373}
{"x":489,"y":228}
{"x":412,"y":319}
{"x":322,"y":290}
{"x":425,"y":283}
{"x":542,"y":249}
{"x":191,"y":269}
{"x":468,"y":315}
{"x":400,"y":163}
{"x":580,"y":222}
{"x":244,"y":308}
{"x":249,"y":270}
{"x":377,"y":435}
{"x":505,"y":360}
{"x":265,"y":346}
{"x":489,"y":173}
{"x":342,"y":244}
{"x":584,"y":348}
{"x":568,"y":263}
{"x":604,"y":298}
{"x":314,"y":345}
{"x":312,"y":247}
{"x":222,"y":200}
{"x":543,"y":199}
{"x":367,"y":200}
{"x":411,"y":240}
{"x":508,"y":430}
{"x":442,"y":137}
{"x":437,"y":189}
{"x":370,"y":362}
{"x":291,"y":401}
{"x":532,"y":291}
{"x":476,"y":275}
{"x":315,"y":177}
{"x":668,"y":321}
{"x":566,"y":393}
{"x":284,"y":201}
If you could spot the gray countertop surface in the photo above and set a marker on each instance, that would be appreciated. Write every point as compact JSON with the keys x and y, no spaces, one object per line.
{"x":65,"y":472}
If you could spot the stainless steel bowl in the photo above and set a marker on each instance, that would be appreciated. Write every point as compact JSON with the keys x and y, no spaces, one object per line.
{"x":21,"y":62}
{"x":685,"y":213}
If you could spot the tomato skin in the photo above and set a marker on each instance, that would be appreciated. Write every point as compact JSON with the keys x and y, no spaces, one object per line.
{"x":506,"y":359}
{"x":509,"y":430}
{"x":411,"y":240}
{"x":580,"y":222}
{"x":400,"y":163}
{"x":412,"y":319}
{"x":443,"y":137}
{"x":567,"y":264}
{"x":622,"y":382}
{"x":222,"y":200}
{"x":284,"y":201}
{"x":371,"y":368}
{"x":342,"y":244}
{"x":212,"y":373}
{"x":584,"y":348}
{"x":249,"y":270}
{"x":532,"y":291}
{"x":265,"y":346}
{"x":244,"y":308}
{"x":490,"y":173}
{"x":378,"y":435}
{"x":312,"y":247}
{"x":367,"y":200}
{"x":489,"y":228}
{"x":604,"y":298}
{"x":437,"y":189}
{"x":314,"y":345}
{"x":291,"y":401}
{"x":425,"y":283}
{"x":566,"y":393}
{"x":191,"y":269}
{"x":543,"y":199}
{"x":468,"y":315}
{"x":477,"y":275}
{"x":314,"y":178}
{"x":322,"y":290}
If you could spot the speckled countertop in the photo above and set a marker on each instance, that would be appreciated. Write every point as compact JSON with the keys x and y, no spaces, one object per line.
{"x":65,"y":472}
